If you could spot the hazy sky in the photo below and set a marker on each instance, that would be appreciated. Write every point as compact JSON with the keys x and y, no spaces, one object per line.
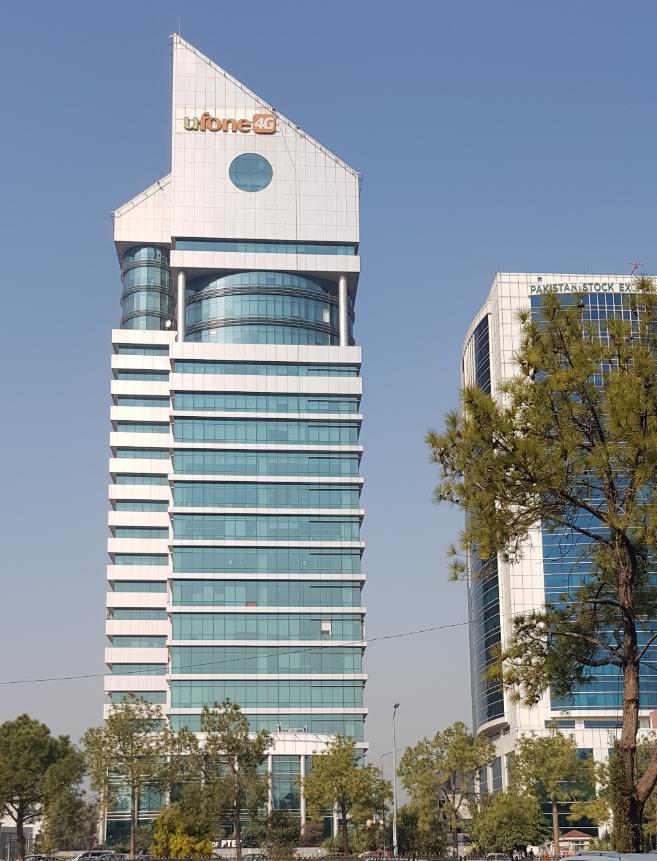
{"x":491,"y":135}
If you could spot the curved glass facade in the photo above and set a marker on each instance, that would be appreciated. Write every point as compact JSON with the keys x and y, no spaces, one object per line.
{"x":147,"y":299}
{"x":484,"y":591}
{"x":263,"y":308}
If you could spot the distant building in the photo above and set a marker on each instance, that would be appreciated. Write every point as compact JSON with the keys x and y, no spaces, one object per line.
{"x":235,"y":551}
{"x":499,"y":591}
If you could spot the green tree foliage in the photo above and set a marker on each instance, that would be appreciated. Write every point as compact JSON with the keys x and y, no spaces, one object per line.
{"x":438,"y":774}
{"x":35,"y":768}
{"x":132,"y":749}
{"x":278,"y":834}
{"x":172,"y":837}
{"x":70,"y":822}
{"x":336,"y":780}
{"x":418,"y":838}
{"x":505,"y":822}
{"x":550,"y":769}
{"x":232,"y":757}
{"x":554,"y":446}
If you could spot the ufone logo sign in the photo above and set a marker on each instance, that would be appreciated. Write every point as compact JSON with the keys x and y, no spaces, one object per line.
{"x":260,"y":124}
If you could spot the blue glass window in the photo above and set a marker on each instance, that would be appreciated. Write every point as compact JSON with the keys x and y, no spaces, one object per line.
{"x":141,"y":559}
{"x":243,"y":660}
{"x":140,"y":505}
{"x":143,"y":376}
{"x":125,"y":478}
{"x":129,"y":613}
{"x":222,"y":494}
{"x":142,"y":427}
{"x":267,"y":694}
{"x":266,"y":626}
{"x":140,"y":532}
{"x":262,"y":431}
{"x":269,"y":369}
{"x":265,"y":593}
{"x":125,"y":641}
{"x":138,"y":586}
{"x":143,"y":453}
{"x":243,"y":403}
{"x":207,"y":462}
{"x":142,"y":401}
{"x":262,"y":527}
{"x":329,"y":724}
{"x":285,"y":247}
{"x":138,"y":669}
{"x":261,"y":560}
{"x":153,"y":350}
{"x":250,"y":172}
{"x":158,"y":697}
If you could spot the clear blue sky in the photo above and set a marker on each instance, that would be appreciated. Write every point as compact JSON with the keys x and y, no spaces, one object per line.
{"x":505,"y":135}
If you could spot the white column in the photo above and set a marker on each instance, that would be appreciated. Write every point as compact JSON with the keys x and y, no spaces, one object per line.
{"x":180,"y":305}
{"x":302,"y":774}
{"x":343,"y":311}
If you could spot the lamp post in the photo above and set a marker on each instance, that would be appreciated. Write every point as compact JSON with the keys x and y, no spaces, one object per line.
{"x":394,"y":783}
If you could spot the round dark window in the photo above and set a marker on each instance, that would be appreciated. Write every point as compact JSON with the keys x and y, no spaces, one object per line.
{"x":250,"y":172}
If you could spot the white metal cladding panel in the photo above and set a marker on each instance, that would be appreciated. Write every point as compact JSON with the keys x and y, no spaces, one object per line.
{"x":137,"y":627}
{"x":144,"y":388}
{"x":137,"y":572}
{"x":135,"y":439}
{"x":138,"y":545}
{"x":263,"y":384}
{"x":142,"y":337}
{"x":262,"y":353}
{"x":161,"y":364}
{"x":313,"y":196}
{"x":147,"y":217}
{"x":138,"y":518}
{"x":135,"y":683}
{"x":157,"y":600}
{"x":154,"y":492}
{"x":133,"y":655}
{"x":322,"y":265}
{"x":160,"y":415}
{"x":140,"y":466}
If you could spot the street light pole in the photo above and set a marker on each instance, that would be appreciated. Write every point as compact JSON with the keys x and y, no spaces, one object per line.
{"x":395,"y":847}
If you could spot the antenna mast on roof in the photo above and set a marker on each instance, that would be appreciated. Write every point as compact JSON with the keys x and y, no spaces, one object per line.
{"x":635,"y":265}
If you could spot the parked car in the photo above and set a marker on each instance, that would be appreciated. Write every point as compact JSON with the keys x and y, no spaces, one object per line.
{"x":95,"y":854}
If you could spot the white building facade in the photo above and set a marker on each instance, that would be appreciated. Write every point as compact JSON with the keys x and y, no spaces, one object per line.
{"x":235,"y":552}
{"x":497,"y":591}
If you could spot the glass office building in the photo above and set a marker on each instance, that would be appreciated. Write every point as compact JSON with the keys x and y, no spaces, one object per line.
{"x":235,"y":553}
{"x":497,"y":590}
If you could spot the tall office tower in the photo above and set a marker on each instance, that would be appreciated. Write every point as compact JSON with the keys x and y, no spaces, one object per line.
{"x":235,"y":552}
{"x":500,"y":591}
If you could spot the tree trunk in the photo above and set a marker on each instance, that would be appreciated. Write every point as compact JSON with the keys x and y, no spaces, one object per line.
{"x":134,"y":818}
{"x":556,"y":850}
{"x":631,"y":698}
{"x":454,"y":828}
{"x":20,"y":835}
{"x":343,"y":830}
{"x":237,"y":828}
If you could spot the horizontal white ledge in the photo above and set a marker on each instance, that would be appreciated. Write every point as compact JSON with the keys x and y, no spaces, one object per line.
{"x":264,"y":446}
{"x":213,"y":608}
{"x":265,"y":677}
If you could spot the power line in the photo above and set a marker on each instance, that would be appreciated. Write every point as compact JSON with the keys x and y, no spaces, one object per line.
{"x":271,"y":654}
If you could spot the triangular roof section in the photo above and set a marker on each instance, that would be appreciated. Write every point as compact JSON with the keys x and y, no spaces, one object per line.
{"x":312,"y":196}
{"x":179,"y":41}
{"x":147,"y":217}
